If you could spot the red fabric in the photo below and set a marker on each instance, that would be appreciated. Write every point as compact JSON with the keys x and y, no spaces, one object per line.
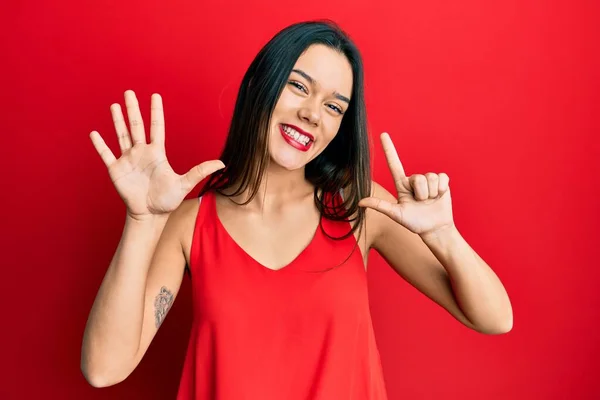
{"x":301,"y":332}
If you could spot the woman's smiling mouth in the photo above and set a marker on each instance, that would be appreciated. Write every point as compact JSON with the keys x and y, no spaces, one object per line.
{"x":296,"y":137}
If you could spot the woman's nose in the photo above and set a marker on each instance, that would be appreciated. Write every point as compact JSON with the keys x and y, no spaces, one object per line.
{"x":310,"y":113}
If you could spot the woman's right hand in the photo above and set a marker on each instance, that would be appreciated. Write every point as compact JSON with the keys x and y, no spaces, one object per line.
{"x":142,"y":175}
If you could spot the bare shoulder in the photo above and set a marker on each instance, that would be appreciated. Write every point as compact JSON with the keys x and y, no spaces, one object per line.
{"x":188,"y":209}
{"x":374,"y":222}
{"x":185,"y":220}
{"x":183,"y":216}
{"x":379,"y":221}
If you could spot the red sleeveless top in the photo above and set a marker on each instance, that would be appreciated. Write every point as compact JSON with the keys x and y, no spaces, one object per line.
{"x":302,"y":332}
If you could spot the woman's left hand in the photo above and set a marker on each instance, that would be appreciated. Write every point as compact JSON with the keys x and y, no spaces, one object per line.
{"x":423,"y":203}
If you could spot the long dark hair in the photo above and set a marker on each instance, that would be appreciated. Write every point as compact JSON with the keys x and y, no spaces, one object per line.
{"x":344,"y":164}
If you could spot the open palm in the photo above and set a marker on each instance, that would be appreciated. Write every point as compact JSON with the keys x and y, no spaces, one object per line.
{"x":142,"y":175}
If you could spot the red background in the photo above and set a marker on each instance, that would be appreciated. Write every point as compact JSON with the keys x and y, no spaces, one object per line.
{"x":503,"y":97}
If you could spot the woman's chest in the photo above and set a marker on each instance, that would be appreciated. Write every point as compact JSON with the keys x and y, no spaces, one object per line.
{"x":233,"y":288}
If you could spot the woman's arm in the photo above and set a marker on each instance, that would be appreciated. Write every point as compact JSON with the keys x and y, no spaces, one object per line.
{"x":138,"y":290}
{"x":446,"y":269}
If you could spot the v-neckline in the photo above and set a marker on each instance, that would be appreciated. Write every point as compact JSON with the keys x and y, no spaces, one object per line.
{"x":287,"y":266}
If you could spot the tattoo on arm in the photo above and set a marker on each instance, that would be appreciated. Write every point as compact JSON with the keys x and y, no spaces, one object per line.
{"x":162,"y":304}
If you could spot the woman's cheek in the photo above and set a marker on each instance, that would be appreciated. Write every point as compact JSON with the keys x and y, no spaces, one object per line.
{"x":331,"y":128}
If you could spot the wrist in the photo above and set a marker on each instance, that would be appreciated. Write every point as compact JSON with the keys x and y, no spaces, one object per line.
{"x":439,"y":234}
{"x":148,"y":219}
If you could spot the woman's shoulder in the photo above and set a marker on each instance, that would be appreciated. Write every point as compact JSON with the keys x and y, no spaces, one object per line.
{"x":184,"y":217}
{"x":373,"y":219}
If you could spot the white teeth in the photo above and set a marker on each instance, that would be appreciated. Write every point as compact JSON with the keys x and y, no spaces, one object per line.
{"x":297,"y":136}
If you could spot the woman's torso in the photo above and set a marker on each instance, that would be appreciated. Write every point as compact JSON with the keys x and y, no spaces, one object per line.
{"x":289,"y":321}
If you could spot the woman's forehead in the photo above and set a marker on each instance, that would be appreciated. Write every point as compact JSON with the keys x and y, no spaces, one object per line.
{"x":329,"y":68}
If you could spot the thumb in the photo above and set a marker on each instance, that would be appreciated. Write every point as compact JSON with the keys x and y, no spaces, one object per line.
{"x":195,"y":175}
{"x":383,"y":206}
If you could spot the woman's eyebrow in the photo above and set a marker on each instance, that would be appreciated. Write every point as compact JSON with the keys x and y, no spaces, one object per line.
{"x":341,"y":97}
{"x":305,"y":75}
{"x":312,"y":82}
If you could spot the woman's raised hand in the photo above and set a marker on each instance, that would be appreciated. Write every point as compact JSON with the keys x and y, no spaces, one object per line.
{"x":142,"y":174}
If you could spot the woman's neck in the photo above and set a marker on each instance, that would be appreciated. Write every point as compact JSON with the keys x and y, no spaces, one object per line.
{"x":278,"y":187}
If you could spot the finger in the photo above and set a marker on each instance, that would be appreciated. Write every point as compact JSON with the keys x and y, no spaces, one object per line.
{"x":418,"y":182}
{"x":157,"y":120}
{"x":195,"y":175}
{"x":105,"y":154}
{"x":443,"y":184}
{"x":383,"y":206}
{"x":393,"y":161}
{"x":136,"y":124}
{"x":120,"y":127}
{"x":432,"y":184}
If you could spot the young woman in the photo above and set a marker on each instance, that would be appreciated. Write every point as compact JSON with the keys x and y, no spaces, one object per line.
{"x":276,"y":244}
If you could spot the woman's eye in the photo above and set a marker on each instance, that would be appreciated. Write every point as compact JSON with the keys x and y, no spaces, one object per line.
{"x":298,"y":86}
{"x":335,"y":108}
{"x":301,"y":87}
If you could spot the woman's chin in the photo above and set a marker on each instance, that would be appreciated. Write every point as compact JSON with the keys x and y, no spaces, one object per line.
{"x":288,"y":161}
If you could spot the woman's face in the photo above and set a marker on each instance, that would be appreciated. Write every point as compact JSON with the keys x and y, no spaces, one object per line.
{"x":309,"y":111}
